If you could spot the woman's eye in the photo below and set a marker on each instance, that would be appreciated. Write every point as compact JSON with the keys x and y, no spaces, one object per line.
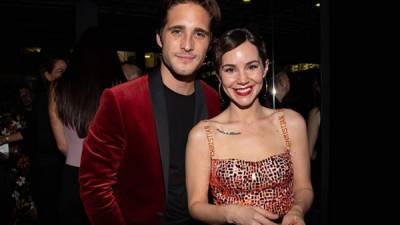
{"x":228,"y":70}
{"x":253,"y":67}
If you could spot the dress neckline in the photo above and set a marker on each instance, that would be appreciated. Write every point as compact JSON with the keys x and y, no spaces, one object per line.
{"x":248,"y":161}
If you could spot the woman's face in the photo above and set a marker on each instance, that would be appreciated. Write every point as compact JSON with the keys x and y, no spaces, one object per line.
{"x":59,"y":68}
{"x":242,"y":74}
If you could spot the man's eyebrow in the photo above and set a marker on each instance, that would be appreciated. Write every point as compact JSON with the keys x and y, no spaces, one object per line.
{"x":197,"y":29}
{"x":175,"y":27}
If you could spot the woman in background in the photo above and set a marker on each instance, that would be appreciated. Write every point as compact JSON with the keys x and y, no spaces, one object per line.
{"x":73,"y":103}
{"x":47,"y":161}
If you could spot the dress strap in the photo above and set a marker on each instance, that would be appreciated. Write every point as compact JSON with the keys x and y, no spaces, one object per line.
{"x":210,"y":139}
{"x":284,"y":129}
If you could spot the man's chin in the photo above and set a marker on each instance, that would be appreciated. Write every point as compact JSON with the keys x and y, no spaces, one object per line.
{"x":184,"y":74}
{"x":185,"y":70}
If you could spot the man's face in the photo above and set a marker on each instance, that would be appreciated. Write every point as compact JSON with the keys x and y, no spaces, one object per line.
{"x":283,"y":86}
{"x":185,"y":38}
{"x":286,"y":83}
{"x":25,"y":96}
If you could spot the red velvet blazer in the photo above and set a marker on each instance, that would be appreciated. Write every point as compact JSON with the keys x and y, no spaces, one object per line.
{"x":124,"y":165}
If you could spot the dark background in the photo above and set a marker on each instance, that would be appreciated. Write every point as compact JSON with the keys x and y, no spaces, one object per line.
{"x":295,"y":31}
{"x":291,"y":28}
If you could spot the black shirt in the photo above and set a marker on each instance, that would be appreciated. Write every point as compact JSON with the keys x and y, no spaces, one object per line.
{"x":45,"y":145}
{"x":180,"y":110}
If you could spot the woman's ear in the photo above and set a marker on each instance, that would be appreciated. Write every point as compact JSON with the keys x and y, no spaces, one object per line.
{"x":219,"y":78}
{"x":48,"y":76}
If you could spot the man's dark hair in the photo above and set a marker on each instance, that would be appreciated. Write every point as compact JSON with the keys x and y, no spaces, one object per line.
{"x":211,"y":6}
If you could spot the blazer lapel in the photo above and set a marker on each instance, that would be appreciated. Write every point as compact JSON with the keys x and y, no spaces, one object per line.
{"x":160,"y":116}
{"x":200,"y":110}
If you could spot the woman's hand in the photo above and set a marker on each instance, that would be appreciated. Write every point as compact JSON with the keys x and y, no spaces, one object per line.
{"x":293,"y":217}
{"x":247,"y":215}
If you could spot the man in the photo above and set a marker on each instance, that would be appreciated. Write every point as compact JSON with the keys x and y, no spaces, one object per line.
{"x":133,"y":160}
{"x":282,"y":88}
{"x":25,"y":95}
{"x":285,"y":96}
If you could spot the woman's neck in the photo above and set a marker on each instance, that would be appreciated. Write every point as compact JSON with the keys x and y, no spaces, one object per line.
{"x":245,"y":116}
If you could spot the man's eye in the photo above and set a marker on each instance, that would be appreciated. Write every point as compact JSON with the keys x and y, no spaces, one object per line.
{"x":176,"y":32}
{"x":200,"y":34}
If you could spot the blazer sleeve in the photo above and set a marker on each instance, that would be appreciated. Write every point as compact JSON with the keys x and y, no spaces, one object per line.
{"x":101,"y":156}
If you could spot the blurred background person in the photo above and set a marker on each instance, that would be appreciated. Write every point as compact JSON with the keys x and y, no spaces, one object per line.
{"x":47,"y":161}
{"x":23,"y":112}
{"x":26,"y":96}
{"x":74,"y":99}
{"x":314,"y":140}
{"x":314,"y":117}
{"x":16,"y":132}
{"x":283,"y":94}
{"x":7,"y":204}
{"x":131,"y":71}
{"x":280,"y":89}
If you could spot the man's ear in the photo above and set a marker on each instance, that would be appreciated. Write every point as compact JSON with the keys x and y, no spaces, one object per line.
{"x":158,"y":39}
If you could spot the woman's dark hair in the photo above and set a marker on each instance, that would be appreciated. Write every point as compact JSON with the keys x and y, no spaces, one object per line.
{"x":211,"y":6}
{"x":94,"y":66}
{"x":49,"y":58}
{"x":231,"y":40}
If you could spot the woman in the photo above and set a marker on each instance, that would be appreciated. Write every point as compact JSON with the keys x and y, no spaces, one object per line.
{"x":73,"y":103}
{"x":254,"y":159}
{"x":47,"y":161}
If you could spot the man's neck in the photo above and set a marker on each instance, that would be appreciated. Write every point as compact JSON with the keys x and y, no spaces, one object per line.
{"x":183,"y":85}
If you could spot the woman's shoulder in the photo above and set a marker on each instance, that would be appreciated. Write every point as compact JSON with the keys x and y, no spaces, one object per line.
{"x":201,"y":124}
{"x":211,"y":121}
{"x":291,"y":117}
{"x":201,"y":129}
{"x":198,"y":131}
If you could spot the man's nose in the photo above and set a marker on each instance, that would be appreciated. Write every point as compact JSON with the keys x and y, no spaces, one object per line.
{"x":187,"y":42}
